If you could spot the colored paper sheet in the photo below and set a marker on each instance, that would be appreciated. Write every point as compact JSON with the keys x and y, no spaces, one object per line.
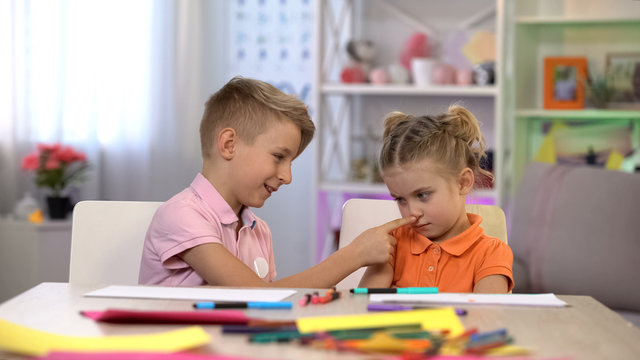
{"x":547,"y":151}
{"x":615,"y":161}
{"x":191,"y":293}
{"x":471,"y":299}
{"x":133,"y":356}
{"x":168,"y":317}
{"x":429,"y":319}
{"x":27,"y":341}
{"x":480,"y":357}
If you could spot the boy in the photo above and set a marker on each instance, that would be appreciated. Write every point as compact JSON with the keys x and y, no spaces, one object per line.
{"x":250,"y":133}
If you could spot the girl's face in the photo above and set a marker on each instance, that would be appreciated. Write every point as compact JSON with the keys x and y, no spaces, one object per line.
{"x":435,"y":200}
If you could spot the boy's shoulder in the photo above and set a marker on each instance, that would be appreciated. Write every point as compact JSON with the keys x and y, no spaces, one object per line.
{"x":183,"y":210}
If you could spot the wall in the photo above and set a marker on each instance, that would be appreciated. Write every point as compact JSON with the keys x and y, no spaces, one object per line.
{"x":271,"y":40}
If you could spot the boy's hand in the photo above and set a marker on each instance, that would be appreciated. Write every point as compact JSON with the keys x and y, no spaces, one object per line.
{"x":376,"y":245}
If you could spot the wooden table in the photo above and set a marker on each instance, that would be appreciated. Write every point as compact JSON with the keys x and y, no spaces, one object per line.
{"x":585,"y":330}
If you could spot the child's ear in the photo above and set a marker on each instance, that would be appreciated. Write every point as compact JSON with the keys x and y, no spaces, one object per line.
{"x":227,"y":142}
{"x":466,"y":180}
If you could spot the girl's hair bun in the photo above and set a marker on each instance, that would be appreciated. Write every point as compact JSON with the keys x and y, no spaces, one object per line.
{"x":392,"y":120}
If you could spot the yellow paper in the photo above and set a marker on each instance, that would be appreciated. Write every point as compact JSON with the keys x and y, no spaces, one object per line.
{"x":614,"y":162}
{"x":27,"y":341}
{"x":429,"y":320}
{"x":547,"y":151}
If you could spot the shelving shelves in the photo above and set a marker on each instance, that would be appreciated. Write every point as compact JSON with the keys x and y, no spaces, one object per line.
{"x":587,"y":114}
{"x":349,"y":116}
{"x":538,"y":29}
{"x":556,"y":20}
{"x":390,"y":90}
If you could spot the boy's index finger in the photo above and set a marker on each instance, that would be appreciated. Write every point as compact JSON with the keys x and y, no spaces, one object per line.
{"x":394,"y":224}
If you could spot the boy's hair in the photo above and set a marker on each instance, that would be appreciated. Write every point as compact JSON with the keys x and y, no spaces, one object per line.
{"x":453,"y":140}
{"x":245,"y":105}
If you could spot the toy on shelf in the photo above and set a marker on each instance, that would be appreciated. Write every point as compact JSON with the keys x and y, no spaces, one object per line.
{"x":398,"y":74}
{"x":379,"y":76}
{"x":361,"y":53}
{"x":417,"y":46}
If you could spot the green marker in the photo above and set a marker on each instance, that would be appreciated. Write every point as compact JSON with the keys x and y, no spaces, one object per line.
{"x":407,"y":290}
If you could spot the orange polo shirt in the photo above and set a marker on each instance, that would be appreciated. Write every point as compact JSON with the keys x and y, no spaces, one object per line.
{"x":454,"y":265}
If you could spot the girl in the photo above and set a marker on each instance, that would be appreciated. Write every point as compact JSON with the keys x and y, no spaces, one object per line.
{"x":429,"y":164}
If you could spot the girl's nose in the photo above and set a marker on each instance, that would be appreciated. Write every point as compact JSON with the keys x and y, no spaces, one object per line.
{"x":415,"y":210}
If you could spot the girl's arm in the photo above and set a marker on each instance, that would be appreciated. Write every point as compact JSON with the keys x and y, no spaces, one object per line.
{"x":492,"y":284}
{"x":377,"y":276}
{"x":217,"y":266}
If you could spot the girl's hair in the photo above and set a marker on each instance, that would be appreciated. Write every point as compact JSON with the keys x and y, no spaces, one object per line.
{"x":453,"y":140}
{"x":248,"y":105}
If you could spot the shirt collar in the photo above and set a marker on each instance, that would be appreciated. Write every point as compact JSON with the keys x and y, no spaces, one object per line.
{"x":208,"y":193}
{"x":457,"y":245}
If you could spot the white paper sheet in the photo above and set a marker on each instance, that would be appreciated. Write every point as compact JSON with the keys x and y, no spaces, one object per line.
{"x":191,"y":293}
{"x":470,"y":299}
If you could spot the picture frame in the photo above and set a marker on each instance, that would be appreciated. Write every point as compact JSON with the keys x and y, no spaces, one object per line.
{"x":622,"y":71}
{"x":564,"y":82}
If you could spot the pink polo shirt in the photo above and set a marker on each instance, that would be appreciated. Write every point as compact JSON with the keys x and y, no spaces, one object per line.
{"x":195,"y":216}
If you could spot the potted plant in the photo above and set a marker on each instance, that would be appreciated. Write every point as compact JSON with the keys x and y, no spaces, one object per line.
{"x":600,"y":91}
{"x":56,"y":167}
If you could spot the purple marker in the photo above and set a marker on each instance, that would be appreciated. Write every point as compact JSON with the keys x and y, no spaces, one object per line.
{"x":400,"y":307}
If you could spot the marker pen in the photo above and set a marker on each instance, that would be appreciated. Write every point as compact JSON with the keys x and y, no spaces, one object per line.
{"x":244,"y":305}
{"x":407,"y":290}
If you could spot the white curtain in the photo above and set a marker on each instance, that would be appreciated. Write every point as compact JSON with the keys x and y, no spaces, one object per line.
{"x":121,"y":80}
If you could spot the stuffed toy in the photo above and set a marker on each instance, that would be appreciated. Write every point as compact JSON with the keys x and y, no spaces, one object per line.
{"x":361,"y":53}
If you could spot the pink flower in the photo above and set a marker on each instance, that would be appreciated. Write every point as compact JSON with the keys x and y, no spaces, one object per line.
{"x":31,"y":162}
{"x":48,"y":147}
{"x":52,"y":163}
{"x":56,"y":166}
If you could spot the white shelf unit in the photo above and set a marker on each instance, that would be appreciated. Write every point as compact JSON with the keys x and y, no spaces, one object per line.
{"x":349,"y":116}
{"x":542,"y":28}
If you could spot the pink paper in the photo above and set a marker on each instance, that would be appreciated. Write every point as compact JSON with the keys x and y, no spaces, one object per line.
{"x":133,"y":356}
{"x":168,"y":317}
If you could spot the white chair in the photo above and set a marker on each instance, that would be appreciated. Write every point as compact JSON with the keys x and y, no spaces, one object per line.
{"x":359,"y":215}
{"x":107,"y":239}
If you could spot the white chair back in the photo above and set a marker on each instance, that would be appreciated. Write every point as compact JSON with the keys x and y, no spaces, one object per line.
{"x":359,"y":215}
{"x":107,"y":239}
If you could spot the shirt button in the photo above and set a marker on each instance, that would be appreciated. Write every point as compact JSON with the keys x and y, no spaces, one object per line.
{"x":436,"y":250}
{"x":430,"y":268}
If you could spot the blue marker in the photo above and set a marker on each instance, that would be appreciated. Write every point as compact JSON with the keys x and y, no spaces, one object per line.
{"x":244,"y":305}
{"x":407,"y":290}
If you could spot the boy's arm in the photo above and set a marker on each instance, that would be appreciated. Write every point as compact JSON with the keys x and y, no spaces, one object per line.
{"x":377,"y":276}
{"x":373,"y":246}
{"x":217,"y":266}
{"x":492,"y":284}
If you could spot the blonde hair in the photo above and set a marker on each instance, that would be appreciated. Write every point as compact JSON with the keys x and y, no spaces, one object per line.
{"x":453,"y":140}
{"x":245,"y":105}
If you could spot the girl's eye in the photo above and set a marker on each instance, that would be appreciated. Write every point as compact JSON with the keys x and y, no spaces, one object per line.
{"x":278,"y":157}
{"x":398,"y":200}
{"x":424,"y":195}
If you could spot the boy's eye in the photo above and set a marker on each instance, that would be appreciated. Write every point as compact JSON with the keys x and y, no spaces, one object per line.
{"x":278,"y":156}
{"x":398,"y":200}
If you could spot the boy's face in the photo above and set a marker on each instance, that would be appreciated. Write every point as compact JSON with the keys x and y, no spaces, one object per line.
{"x":262,"y":167}
{"x":421,"y":191}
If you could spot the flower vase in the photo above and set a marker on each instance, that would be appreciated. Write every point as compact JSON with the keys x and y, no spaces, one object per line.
{"x":58,"y":206}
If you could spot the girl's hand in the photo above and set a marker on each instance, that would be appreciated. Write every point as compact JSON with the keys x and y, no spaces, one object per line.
{"x":376,"y":245}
